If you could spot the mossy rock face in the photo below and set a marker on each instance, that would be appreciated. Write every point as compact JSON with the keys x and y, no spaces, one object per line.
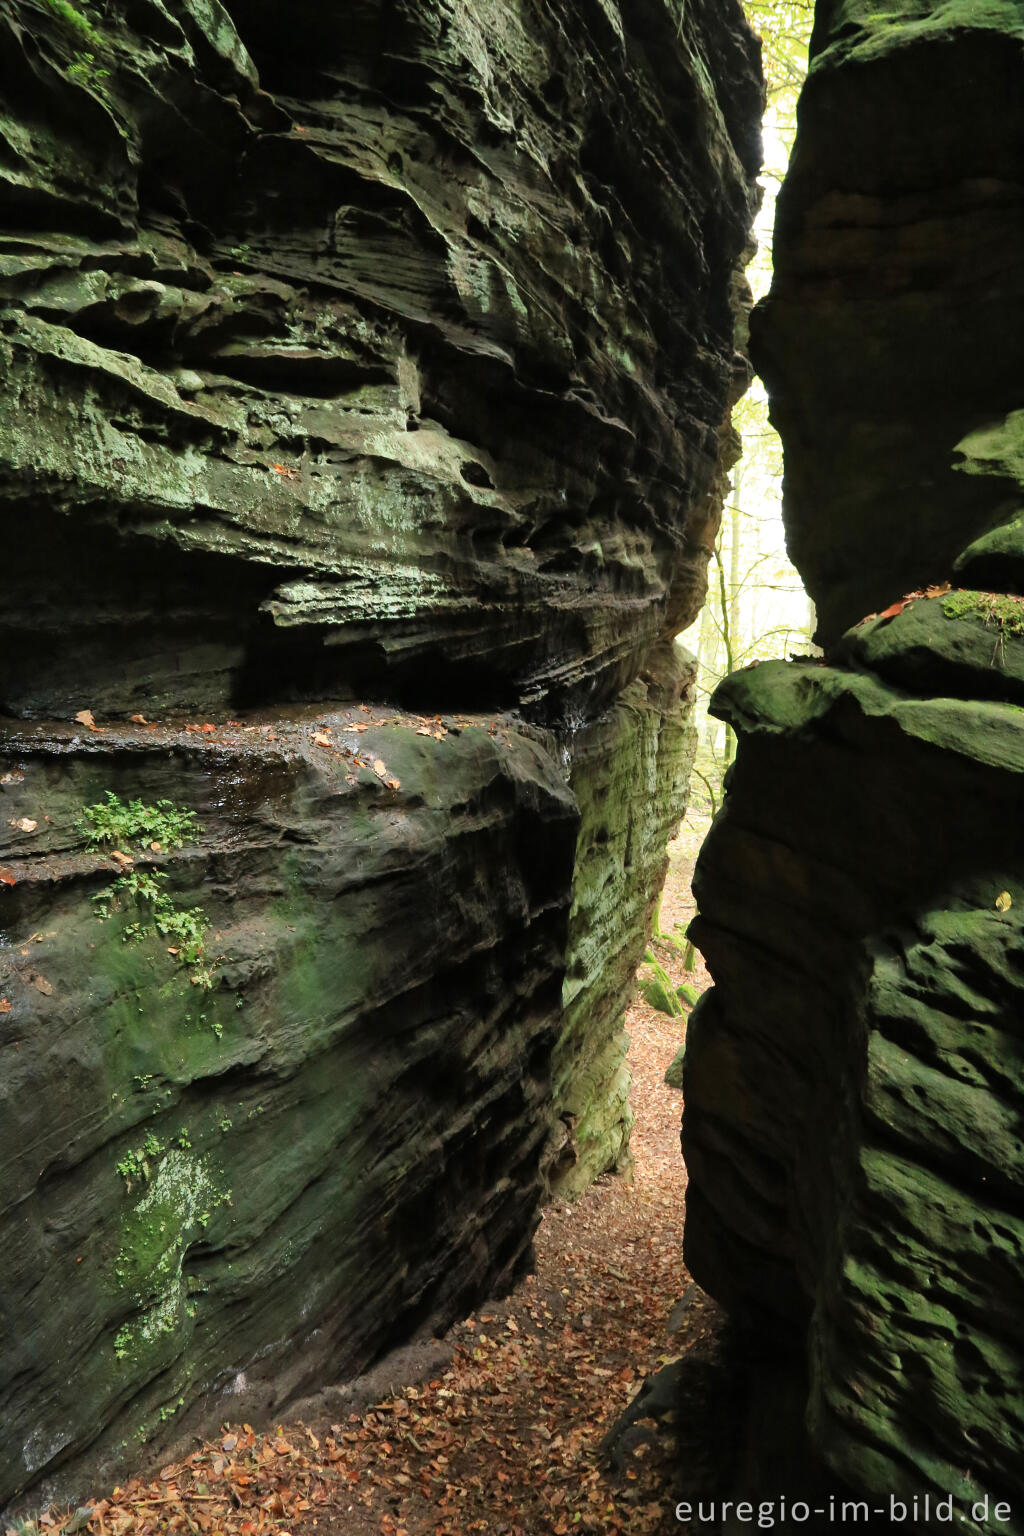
{"x":647,"y":743}
{"x":248,"y":1187}
{"x":674,"y":1071}
{"x":853,"y":1079}
{"x":656,"y":995}
{"x":688,"y":994}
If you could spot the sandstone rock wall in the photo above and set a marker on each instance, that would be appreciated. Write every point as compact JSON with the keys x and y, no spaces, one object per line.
{"x":361,"y":367}
{"x":853,"y":1081}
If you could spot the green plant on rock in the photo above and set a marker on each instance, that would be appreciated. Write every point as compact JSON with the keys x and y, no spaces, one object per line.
{"x":85,"y":71}
{"x":136,"y":1165}
{"x":188,"y":927}
{"x":77,"y":20}
{"x":156,"y":827}
{"x":111,"y":821}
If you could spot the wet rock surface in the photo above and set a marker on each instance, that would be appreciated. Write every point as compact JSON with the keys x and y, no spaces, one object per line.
{"x":383,"y":366}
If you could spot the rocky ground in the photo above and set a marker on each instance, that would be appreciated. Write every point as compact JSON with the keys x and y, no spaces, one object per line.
{"x":507,"y":1425}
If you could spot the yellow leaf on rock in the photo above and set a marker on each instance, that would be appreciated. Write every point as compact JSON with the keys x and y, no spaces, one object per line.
{"x":380,"y":769}
{"x":1004,"y":901}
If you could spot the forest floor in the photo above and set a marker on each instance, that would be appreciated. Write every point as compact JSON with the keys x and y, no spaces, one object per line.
{"x":501,"y":1430}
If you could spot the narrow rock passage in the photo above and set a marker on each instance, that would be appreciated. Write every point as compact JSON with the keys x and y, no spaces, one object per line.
{"x":505,"y":1436}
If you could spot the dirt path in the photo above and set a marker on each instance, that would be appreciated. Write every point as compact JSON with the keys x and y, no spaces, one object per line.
{"x":507,"y":1438}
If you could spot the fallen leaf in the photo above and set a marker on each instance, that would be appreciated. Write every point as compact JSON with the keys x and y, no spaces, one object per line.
{"x":207,"y":728}
{"x":25,"y":824}
{"x":5,"y":1005}
{"x":380,"y":768}
{"x":172,"y":951}
{"x":229,"y":1442}
{"x":156,"y":847}
{"x":321,"y":740}
{"x":42,"y":985}
{"x":85,"y":717}
{"x":125,"y":861}
{"x":393,"y":783}
{"x":1004,"y":901}
{"x":13,"y":777}
{"x":138,"y":719}
{"x":6,"y":878}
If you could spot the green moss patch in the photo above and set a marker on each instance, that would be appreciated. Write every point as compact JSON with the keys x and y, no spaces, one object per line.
{"x":998,"y":609}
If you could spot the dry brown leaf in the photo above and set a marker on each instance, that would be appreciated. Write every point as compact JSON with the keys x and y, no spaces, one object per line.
{"x":393,"y":783}
{"x":380,"y":768}
{"x":42,"y":985}
{"x":321,"y":739}
{"x":85,"y":717}
{"x":124,"y":859}
{"x":5,"y":1005}
{"x":138,"y":719}
{"x":25,"y":824}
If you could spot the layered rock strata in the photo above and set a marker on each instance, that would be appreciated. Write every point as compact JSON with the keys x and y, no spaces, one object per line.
{"x":237,"y":1186}
{"x":853,"y":1081}
{"x":629,"y":774}
{"x":889,"y":342}
{"x":381,"y":359}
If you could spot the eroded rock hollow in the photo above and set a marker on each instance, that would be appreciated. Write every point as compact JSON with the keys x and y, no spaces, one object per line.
{"x":365,"y":383}
{"x":853,"y":1082}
